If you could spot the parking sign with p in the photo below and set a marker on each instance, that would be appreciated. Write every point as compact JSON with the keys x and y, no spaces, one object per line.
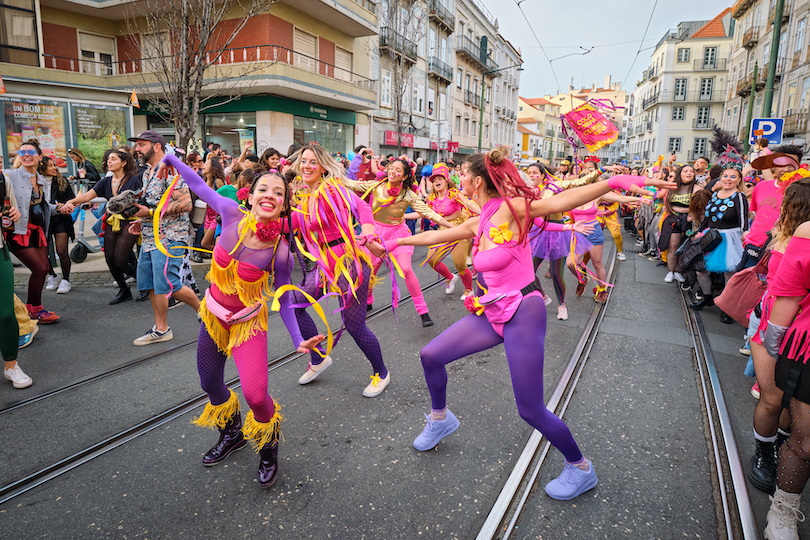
{"x":767,"y":128}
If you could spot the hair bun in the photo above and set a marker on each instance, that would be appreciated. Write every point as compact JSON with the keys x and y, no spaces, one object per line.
{"x":497,"y":155}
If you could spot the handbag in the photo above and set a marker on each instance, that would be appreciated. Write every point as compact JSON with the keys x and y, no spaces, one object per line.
{"x":744,"y":291}
{"x":710,"y":240}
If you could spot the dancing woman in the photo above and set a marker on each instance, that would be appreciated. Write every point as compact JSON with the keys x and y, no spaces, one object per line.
{"x":323,"y":220}
{"x":390,"y":199}
{"x":675,"y":224}
{"x":453,"y":206}
{"x":251,"y":261}
{"x":514,"y":312}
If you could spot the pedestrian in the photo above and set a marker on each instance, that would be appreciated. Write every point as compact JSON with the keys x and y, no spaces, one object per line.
{"x":701,"y":168}
{"x":158,"y":272}
{"x":675,"y":223}
{"x":57,"y":193}
{"x":9,"y":329}
{"x":29,"y":239}
{"x":84,"y":167}
{"x":270,"y":159}
{"x":513,"y":309}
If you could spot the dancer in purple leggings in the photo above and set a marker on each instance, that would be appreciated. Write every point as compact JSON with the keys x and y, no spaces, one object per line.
{"x":513,"y":308}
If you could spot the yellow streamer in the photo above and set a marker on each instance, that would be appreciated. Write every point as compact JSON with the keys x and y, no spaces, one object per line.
{"x":276,"y":305}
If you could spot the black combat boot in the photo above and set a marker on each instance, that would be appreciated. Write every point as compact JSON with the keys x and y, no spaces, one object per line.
{"x":268,"y":465}
{"x":230,"y":440}
{"x":762,"y":469}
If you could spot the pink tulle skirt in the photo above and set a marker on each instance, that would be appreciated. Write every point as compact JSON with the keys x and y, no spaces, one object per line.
{"x":553,"y":245}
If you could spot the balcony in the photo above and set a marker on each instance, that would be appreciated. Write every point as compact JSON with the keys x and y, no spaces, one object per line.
{"x":639,"y":128}
{"x":719,"y":64}
{"x":787,"y":7}
{"x":472,"y":98}
{"x":744,"y":85}
{"x":468,"y":47}
{"x":653,"y":73}
{"x":796,"y":60}
{"x":649,"y":125}
{"x":796,"y":123}
{"x":356,"y":18}
{"x":740,"y":7}
{"x":396,"y":43}
{"x":702,"y":123}
{"x":441,"y":16}
{"x":668,"y":96}
{"x":649,"y":102}
{"x":272,"y":69}
{"x":440,"y":70}
{"x":751,"y":36}
{"x":550,"y":133}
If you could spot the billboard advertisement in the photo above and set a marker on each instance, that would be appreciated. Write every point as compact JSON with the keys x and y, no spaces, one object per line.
{"x":99,"y":128}
{"x":36,"y":120}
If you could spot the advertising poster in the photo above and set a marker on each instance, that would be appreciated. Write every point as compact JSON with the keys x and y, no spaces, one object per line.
{"x":99,"y":128}
{"x":36,"y":120}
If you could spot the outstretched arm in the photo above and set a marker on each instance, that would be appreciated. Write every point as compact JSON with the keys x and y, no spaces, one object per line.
{"x":222,"y":205}
{"x":429,"y":238}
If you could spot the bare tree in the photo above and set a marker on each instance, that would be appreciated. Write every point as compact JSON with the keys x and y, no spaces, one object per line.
{"x":405,"y":20}
{"x":186,"y":66}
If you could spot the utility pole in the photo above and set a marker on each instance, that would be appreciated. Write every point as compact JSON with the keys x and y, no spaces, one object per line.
{"x":777,"y":32}
{"x":747,"y":140}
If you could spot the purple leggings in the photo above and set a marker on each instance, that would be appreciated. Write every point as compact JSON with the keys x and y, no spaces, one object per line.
{"x":354,"y":317}
{"x":251,"y":362}
{"x":523,"y":338}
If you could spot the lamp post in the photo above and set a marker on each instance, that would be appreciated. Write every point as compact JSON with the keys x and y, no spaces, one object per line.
{"x":483,"y":90}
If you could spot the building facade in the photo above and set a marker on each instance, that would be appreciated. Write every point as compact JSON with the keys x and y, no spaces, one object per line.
{"x":681,"y":95}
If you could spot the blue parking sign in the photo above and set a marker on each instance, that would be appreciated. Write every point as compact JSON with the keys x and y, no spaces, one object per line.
{"x":771,"y":128}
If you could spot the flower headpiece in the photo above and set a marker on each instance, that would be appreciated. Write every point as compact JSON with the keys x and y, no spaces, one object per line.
{"x":730,"y":159}
{"x":593,"y":159}
{"x":790,"y":177}
{"x":440,"y":169}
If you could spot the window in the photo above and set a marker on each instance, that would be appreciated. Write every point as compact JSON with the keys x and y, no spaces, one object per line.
{"x":489,"y":88}
{"x":459,"y":76}
{"x":709,"y":57}
{"x":343,"y":64}
{"x":706,"y":86}
{"x":797,"y":46}
{"x":306,"y":47}
{"x":803,"y":104}
{"x":467,"y":82}
{"x":677,"y":113}
{"x":458,"y":123}
{"x":154,"y":47}
{"x":683,"y":55}
{"x":431,"y":103}
{"x":466,"y":126}
{"x":385,"y":90}
{"x":442,"y":106}
{"x":699,"y":148}
{"x":758,"y":107}
{"x":680,"y":89}
{"x":702,"y":119}
{"x":475,"y":127}
{"x":791,"y":98}
{"x":766,"y":55}
{"x":19,"y":43}
{"x":97,"y":54}
{"x":486,"y":131}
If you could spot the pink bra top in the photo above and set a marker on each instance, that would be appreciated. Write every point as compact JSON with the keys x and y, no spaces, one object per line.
{"x":589,"y":214}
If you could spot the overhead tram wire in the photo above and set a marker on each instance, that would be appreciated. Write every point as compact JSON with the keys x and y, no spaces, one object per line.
{"x":517,"y":3}
{"x":641,"y":44}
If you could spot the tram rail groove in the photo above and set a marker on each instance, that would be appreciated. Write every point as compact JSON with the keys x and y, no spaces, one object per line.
{"x":509,"y":504}
{"x":738,"y":515}
{"x":40,"y":477}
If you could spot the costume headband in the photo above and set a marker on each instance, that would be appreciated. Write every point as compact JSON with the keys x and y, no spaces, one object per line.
{"x":440,"y":169}
{"x":730,"y":159}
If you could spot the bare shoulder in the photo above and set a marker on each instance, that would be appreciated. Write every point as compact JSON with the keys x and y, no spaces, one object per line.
{"x":803,"y":230}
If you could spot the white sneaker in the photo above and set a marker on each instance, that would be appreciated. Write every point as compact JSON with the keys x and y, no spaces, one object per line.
{"x":451,"y":285}
{"x":130,"y":279}
{"x":17,"y":377}
{"x":621,"y":256}
{"x":678,"y":277}
{"x":547,"y":300}
{"x":312,"y":372}
{"x":154,"y":336}
{"x":783,"y":516}
{"x":64,"y":287}
{"x":53,"y":283}
{"x":670,"y":277}
{"x":377,"y":385}
{"x":466,"y":294}
{"x":562,"y":312}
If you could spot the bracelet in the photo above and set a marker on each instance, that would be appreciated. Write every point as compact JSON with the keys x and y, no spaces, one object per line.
{"x":151,"y":212}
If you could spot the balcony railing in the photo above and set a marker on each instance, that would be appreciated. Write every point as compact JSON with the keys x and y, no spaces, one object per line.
{"x":796,"y":61}
{"x":396,"y":42}
{"x":751,"y":36}
{"x":649,"y":102}
{"x":270,"y":54}
{"x":440,"y":69}
{"x":639,"y":128}
{"x":550,"y":133}
{"x":441,"y":15}
{"x":368,"y":5}
{"x":472,"y":98}
{"x":718,"y":64}
{"x":652,"y":72}
{"x":467,"y":46}
{"x":702,"y":123}
{"x":739,"y":7}
{"x":667,"y":96}
{"x":796,"y":123}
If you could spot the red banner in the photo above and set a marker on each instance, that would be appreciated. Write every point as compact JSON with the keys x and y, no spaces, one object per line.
{"x":452,"y":146}
{"x":591,"y":126}
{"x":391,"y":139}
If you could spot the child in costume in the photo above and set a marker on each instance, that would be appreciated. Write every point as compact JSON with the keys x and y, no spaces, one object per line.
{"x":323,"y":222}
{"x":390,"y":199}
{"x":447,"y":201}
{"x":251,"y":259}
{"x":513,"y":309}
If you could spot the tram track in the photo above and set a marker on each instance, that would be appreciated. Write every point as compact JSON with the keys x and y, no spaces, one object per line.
{"x":50,"y":472}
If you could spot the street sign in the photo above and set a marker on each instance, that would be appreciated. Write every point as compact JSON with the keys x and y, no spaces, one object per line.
{"x":768,"y":128}
{"x":624,"y":163}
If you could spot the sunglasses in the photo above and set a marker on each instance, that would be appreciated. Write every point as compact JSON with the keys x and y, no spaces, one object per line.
{"x":31,"y":152}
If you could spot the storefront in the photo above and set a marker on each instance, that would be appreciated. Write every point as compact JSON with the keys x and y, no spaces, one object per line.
{"x":61,"y":124}
{"x":270,"y":122}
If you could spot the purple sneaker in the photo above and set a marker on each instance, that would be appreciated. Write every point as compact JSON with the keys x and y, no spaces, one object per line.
{"x":571,"y":483}
{"x":435,"y":430}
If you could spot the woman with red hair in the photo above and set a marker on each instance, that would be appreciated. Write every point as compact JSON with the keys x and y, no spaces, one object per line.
{"x":513,"y":309}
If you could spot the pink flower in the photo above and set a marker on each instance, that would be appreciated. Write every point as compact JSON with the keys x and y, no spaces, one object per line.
{"x":243,"y":194}
{"x":267,"y":232}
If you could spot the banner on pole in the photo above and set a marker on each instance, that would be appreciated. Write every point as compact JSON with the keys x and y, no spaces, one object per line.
{"x":593,"y":129}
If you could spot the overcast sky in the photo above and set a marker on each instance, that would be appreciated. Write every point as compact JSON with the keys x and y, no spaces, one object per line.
{"x":614,"y":27}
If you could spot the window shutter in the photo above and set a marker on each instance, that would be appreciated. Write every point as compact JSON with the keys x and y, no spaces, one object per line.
{"x":343,"y":61}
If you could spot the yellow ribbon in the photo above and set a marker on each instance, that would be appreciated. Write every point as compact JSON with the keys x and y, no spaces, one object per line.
{"x":115,"y":221}
{"x":501,"y":233}
{"x":479,"y":309}
{"x":375,"y":379}
{"x":276,"y":305}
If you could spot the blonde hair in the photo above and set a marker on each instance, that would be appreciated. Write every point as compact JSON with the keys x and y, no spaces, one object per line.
{"x":78,"y":153}
{"x":333,"y":168}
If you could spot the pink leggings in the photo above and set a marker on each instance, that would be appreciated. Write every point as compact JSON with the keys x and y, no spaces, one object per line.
{"x":251,"y":362}
{"x":403,"y":257}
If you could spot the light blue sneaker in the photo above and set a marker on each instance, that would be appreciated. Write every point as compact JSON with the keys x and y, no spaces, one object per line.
{"x":435,"y":430}
{"x":572,"y":482}
{"x":26,"y":340}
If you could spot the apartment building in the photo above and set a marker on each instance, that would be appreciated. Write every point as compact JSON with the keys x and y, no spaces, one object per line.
{"x":681,"y":95}
{"x":543,"y":117}
{"x":79,"y":61}
{"x":752,"y":43}
{"x":486,"y":81}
